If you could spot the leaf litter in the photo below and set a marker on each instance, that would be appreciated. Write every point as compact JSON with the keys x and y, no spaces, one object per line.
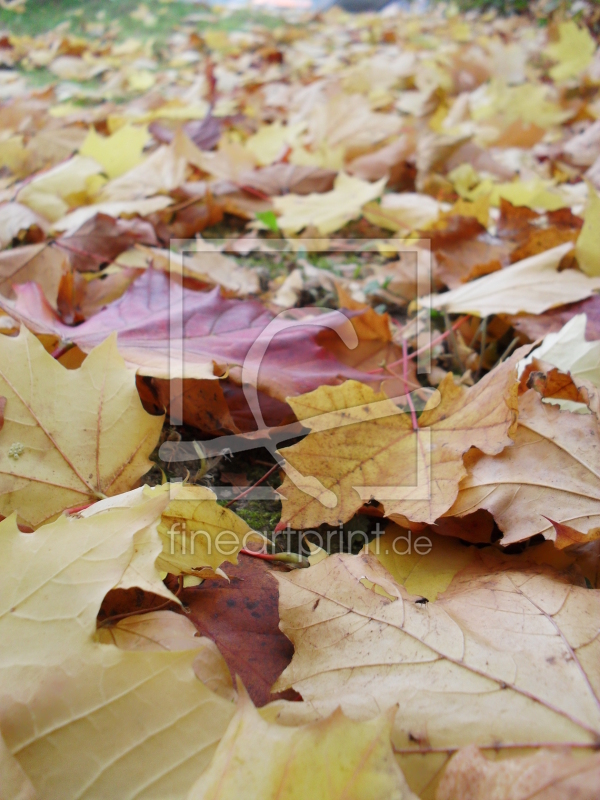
{"x":367,"y":566}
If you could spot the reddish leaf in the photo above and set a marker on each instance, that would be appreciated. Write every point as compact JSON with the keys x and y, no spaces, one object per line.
{"x":100,"y":240}
{"x":216,"y":330}
{"x":536,"y":326}
{"x":242,"y":618}
{"x":2,"y":407}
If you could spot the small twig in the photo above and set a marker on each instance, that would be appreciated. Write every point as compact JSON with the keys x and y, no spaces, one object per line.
{"x":411,"y":405}
{"x":286,"y":558}
{"x":254,"y":485}
{"x":507,"y":352}
{"x":483,"y":328}
{"x":453,"y":342}
{"x":62,"y":348}
{"x":77,"y":509}
{"x":427,"y":347}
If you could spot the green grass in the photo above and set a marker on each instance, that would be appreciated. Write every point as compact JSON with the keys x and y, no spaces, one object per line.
{"x":41,"y":16}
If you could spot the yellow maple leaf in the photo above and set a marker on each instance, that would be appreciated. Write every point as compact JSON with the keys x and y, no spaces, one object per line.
{"x":69,"y":436}
{"x":328,"y":211}
{"x":145,"y":717}
{"x":363,"y":447}
{"x":119,"y":152}
{"x":573,"y":51}
{"x":330,"y":759}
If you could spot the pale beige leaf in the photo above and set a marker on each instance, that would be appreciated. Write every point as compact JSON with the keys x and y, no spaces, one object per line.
{"x":532,"y":285}
{"x":547,"y":775}
{"x":508,"y":655}
{"x":553,"y":470}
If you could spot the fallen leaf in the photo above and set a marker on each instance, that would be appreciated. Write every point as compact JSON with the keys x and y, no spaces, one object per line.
{"x":33,"y":262}
{"x":573,"y":51}
{"x":551,"y":321}
{"x":570,"y":352}
{"x":101,"y":239}
{"x":47,"y":193}
{"x":119,"y":152}
{"x":281,"y":179}
{"x":217,"y":330}
{"x":325,"y":760}
{"x":463,"y":669}
{"x":70,"y":436}
{"x":533,"y":285}
{"x":328,"y":211}
{"x":196,"y":532}
{"x":16,"y":217}
{"x":547,"y":775}
{"x":551,"y":471}
{"x":242,"y":618}
{"x":55,"y":675}
{"x":424,"y":564}
{"x":414,"y":474}
{"x":588,"y":243}
{"x":403,"y":212}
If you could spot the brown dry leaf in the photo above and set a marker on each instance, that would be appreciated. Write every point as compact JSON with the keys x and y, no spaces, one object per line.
{"x":362,"y":447}
{"x":388,"y":162}
{"x":547,"y":775}
{"x":459,"y":262}
{"x":42,"y":263}
{"x":507,"y":655}
{"x":241,"y":617}
{"x":207,"y":265}
{"x":202,"y":402}
{"x":551,"y":471}
{"x":537,"y":326}
{"x":288,"y":178}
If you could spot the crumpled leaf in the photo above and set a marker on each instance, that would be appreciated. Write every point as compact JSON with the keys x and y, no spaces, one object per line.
{"x":551,"y":471}
{"x":570,"y":352}
{"x":16,"y":217}
{"x":61,"y":690}
{"x":508,"y":655}
{"x":547,"y":775}
{"x":69,"y":436}
{"x":325,"y":760}
{"x":414,"y":474}
{"x":328,"y":211}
